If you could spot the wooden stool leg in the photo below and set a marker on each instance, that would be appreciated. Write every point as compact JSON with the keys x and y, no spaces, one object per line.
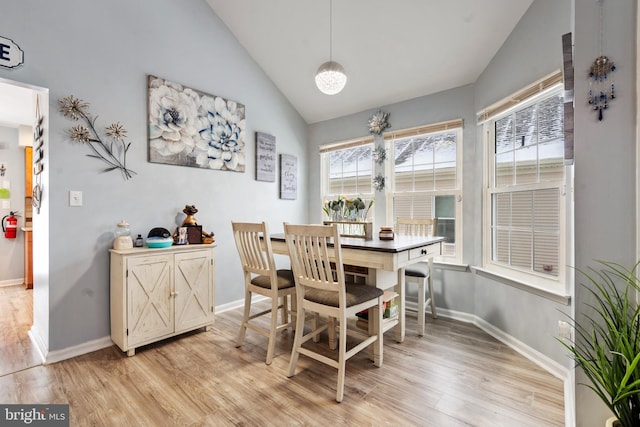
{"x":245,"y":318}
{"x":432,"y":298}
{"x":332,"y":333}
{"x":422,"y":296}
{"x":271,"y":346}
{"x":341,"y":359}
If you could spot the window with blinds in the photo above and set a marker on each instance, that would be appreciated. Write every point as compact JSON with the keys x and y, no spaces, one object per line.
{"x":427,"y":179}
{"x":350,"y":171}
{"x":347,"y":169}
{"x":525,"y":189}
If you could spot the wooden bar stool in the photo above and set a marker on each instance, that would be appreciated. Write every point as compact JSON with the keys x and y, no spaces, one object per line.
{"x":420,"y":273}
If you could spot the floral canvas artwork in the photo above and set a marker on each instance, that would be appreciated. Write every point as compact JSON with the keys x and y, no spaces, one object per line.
{"x":191,"y":128}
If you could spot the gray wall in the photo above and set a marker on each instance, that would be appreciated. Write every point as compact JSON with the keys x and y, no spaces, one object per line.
{"x":102,"y":53}
{"x":12,"y":250}
{"x":605,"y":159}
{"x":451,"y":104}
{"x":506,"y":308}
{"x":532,"y":51}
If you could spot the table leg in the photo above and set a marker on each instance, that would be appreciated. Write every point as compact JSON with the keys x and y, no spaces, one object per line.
{"x":386,"y":279}
{"x":400,"y":329}
{"x":375,"y":323}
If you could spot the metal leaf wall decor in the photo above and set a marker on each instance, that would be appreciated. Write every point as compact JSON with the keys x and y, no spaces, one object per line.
{"x":378,"y":122}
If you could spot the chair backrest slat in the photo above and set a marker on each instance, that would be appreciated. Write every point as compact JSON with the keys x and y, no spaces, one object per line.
{"x":416,"y":227}
{"x":254,"y":247}
{"x":311,"y":256}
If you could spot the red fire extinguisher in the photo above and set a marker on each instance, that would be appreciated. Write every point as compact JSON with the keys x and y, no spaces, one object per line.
{"x":11,"y":226}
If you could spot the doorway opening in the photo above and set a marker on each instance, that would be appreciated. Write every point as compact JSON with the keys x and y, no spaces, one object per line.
{"x":24,"y":259}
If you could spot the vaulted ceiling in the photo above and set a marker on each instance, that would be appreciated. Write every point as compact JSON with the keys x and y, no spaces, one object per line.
{"x":391,"y":50}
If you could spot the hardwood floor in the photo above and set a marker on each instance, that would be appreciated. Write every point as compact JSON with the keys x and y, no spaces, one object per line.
{"x":17,"y":352}
{"x":456,"y":375}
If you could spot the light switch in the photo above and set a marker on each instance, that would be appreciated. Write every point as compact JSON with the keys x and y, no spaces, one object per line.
{"x":75,"y":198}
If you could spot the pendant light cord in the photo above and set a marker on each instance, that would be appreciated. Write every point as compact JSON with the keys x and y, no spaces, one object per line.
{"x":330,"y":77}
{"x":330,"y":30}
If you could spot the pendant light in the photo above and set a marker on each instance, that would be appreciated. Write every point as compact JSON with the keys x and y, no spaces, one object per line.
{"x":330,"y":77}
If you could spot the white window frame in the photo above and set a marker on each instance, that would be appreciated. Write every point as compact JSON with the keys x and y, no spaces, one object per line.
{"x":325,"y":150}
{"x":546,"y":283}
{"x":436,"y":128}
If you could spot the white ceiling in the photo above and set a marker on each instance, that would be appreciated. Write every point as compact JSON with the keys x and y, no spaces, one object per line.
{"x":391,"y":50}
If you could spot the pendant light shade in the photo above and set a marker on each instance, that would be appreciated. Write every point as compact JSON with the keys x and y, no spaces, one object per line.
{"x":331,"y":78}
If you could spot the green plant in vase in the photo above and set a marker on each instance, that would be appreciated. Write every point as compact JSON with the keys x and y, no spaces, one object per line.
{"x":607,"y":345}
{"x":343,"y":209}
{"x":334,"y":208}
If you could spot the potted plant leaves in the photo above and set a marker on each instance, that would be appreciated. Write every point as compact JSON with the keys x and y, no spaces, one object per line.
{"x":607,"y":345}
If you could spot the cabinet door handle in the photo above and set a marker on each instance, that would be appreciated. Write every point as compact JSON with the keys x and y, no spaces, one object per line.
{"x":424,"y":252}
{"x":173,"y":293}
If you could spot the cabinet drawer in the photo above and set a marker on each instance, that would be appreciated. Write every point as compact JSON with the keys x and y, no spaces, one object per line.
{"x":427,"y":250}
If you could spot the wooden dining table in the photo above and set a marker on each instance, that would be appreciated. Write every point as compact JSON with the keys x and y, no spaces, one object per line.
{"x":382,"y":263}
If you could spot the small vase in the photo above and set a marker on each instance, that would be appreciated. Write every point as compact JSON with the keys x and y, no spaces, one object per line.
{"x":613,"y":422}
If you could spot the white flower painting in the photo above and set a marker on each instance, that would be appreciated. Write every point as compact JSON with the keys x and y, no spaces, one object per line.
{"x":191,"y":128}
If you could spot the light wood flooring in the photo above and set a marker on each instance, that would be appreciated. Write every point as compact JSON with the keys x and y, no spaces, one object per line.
{"x":456,"y":375}
{"x":17,"y":352}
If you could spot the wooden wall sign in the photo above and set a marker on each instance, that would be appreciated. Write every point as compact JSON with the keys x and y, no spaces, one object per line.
{"x":288,"y":177}
{"x":11,"y":55}
{"x":265,"y":157}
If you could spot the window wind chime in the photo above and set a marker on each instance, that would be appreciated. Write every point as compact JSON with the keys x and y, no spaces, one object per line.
{"x":601,"y":86}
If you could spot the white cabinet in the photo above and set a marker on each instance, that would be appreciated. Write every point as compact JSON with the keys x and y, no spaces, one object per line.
{"x":158,"y":293}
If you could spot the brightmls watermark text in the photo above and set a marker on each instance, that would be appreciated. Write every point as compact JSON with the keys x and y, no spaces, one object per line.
{"x":34,"y":415}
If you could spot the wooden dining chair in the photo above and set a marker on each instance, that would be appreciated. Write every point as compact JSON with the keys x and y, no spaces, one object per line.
{"x":420,"y":272}
{"x":261,"y":277}
{"x":321,"y":290}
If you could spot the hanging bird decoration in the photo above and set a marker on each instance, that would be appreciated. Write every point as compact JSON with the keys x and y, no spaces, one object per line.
{"x":601,"y":86}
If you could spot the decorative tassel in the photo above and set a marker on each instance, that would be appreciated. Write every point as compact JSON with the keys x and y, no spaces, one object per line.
{"x":600,"y":74}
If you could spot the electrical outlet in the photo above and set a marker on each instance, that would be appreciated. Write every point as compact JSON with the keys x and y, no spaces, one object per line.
{"x":564,"y":330}
{"x":75,"y":198}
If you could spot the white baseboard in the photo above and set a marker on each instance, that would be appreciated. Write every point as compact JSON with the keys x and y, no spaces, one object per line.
{"x":546,"y":363}
{"x":238,"y":303}
{"x":77,"y":350}
{"x":569,"y":399}
{"x":38,"y":342}
{"x":554,"y":368}
{"x":11,"y":282}
{"x":100,"y":343}
{"x":229,"y":306}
